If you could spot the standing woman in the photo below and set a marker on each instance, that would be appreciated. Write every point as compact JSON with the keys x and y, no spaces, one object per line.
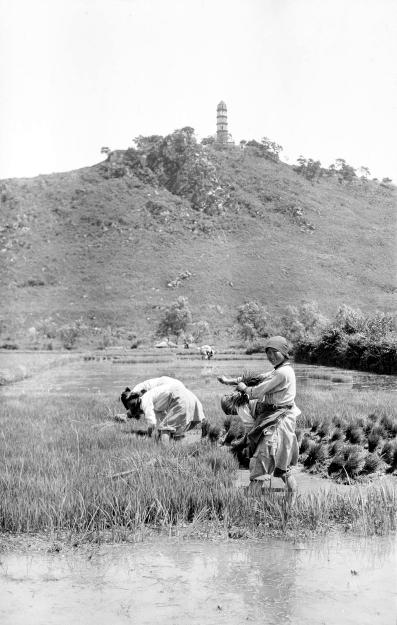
{"x":272,"y":440}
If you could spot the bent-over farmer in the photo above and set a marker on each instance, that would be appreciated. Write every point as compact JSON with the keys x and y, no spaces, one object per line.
{"x":168,"y":407}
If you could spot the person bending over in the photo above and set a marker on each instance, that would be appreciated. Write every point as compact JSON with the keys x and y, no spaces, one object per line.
{"x":168,"y":408}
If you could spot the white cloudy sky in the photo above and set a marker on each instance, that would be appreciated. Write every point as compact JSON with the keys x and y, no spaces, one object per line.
{"x":317,"y":76}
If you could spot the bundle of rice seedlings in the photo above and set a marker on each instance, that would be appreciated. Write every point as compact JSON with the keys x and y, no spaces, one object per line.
{"x":337,"y":435}
{"x":388,"y":451}
{"x":315,"y":424}
{"x":389,"y":422}
{"x":251,"y":378}
{"x":335,"y":447}
{"x":213,"y":433}
{"x":354,"y":459}
{"x":336,"y":465}
{"x":317,"y":455}
{"x":306,"y":443}
{"x":372,"y":463}
{"x":323,"y":429}
{"x":374,"y":439}
{"x":236,"y":430}
{"x":349,"y":460}
{"x":227,"y":422}
{"x":354,"y":434}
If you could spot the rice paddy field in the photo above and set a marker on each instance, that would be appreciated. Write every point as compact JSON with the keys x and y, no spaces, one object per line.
{"x":67,"y":469}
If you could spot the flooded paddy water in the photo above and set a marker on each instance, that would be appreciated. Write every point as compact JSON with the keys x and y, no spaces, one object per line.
{"x":329,"y":582}
{"x":108,"y":375}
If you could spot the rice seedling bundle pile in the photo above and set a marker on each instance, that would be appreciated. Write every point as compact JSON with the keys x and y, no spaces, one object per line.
{"x":351,"y":443}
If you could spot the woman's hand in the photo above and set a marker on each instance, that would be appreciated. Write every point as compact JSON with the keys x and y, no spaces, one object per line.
{"x":222,"y":379}
{"x":241,"y":387}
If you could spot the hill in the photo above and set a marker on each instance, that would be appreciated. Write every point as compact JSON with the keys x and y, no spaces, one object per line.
{"x":115,"y":243}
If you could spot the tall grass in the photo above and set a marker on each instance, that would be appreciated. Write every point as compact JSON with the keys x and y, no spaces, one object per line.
{"x":67,"y":467}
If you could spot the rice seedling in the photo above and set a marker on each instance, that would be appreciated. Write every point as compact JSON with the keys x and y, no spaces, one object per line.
{"x":349,"y":461}
{"x":236,"y":430}
{"x":354,"y":435}
{"x":337,"y":435}
{"x":389,"y":422}
{"x":372,"y":463}
{"x":317,"y":456}
{"x":323,"y":429}
{"x":374,"y":439}
{"x":388,"y":451}
{"x":63,"y":468}
{"x":306,"y":443}
{"x":251,"y":378}
{"x":335,"y":447}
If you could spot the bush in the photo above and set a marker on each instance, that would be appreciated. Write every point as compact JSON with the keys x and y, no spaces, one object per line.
{"x":354,"y":341}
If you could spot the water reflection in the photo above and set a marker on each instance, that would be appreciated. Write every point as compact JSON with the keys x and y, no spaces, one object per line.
{"x":341,"y":580}
{"x":108,"y":377}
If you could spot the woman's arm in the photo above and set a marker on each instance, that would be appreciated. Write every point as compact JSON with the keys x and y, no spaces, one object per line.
{"x":258,"y":391}
{"x":229,"y":381}
{"x":147,"y":408}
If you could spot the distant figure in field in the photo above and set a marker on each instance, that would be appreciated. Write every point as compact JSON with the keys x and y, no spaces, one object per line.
{"x":207,"y":352}
{"x":168,"y":407}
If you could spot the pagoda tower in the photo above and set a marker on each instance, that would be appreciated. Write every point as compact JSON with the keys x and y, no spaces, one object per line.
{"x":222,"y":135}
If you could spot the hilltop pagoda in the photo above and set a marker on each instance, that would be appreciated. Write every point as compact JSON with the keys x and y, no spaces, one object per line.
{"x":222,"y":135}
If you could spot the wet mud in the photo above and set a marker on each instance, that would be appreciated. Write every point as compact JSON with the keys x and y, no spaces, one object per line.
{"x":324,"y":582}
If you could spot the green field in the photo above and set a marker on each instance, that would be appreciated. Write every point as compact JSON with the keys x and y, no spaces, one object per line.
{"x":60,"y":457}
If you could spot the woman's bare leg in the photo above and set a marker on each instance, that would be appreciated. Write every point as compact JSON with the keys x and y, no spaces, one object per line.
{"x":292,"y":487}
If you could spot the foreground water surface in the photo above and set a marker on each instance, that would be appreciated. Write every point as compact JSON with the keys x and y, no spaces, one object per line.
{"x":327,"y":582}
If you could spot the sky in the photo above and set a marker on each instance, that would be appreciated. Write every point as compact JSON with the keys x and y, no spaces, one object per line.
{"x":318,"y":77}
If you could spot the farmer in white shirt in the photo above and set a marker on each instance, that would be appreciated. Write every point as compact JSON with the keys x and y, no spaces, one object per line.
{"x":168,"y":407}
{"x":147,"y":385}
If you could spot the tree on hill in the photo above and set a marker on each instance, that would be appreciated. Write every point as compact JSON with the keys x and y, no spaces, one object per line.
{"x":176,"y":319}
{"x":309,"y":168}
{"x":344,"y":171}
{"x":265,"y":148}
{"x":253,"y":321}
{"x":184,"y":168}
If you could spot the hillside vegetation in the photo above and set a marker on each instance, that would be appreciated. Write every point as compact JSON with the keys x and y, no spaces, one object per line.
{"x":116,"y":243}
